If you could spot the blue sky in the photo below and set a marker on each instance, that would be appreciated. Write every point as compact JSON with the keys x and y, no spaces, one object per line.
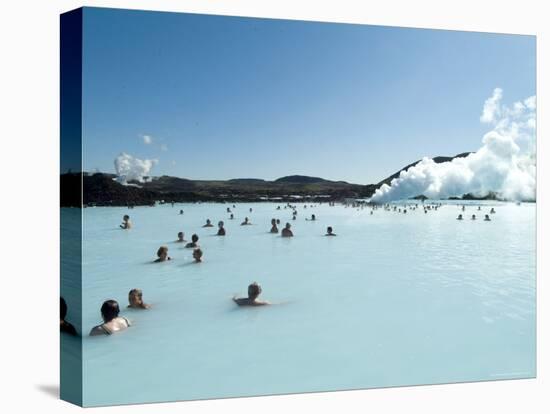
{"x":228,"y":97}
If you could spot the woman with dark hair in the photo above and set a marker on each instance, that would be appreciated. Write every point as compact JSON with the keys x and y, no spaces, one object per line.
{"x":66,"y":327}
{"x":111,"y":321}
{"x":162,"y":254}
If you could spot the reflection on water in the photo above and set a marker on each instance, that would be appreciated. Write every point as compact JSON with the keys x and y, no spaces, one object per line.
{"x":394,"y":299}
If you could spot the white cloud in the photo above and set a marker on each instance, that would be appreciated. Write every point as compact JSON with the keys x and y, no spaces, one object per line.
{"x":147,"y":139}
{"x":505,"y":163}
{"x":129,"y":168}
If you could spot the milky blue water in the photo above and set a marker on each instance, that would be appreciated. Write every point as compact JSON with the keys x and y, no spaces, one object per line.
{"x":395,"y":299}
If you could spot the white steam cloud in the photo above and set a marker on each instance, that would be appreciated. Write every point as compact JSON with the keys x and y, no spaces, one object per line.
{"x":129,"y":168}
{"x":505,"y":164}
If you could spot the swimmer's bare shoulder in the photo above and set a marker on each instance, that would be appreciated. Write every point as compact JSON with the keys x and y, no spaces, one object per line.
{"x":248,"y":302}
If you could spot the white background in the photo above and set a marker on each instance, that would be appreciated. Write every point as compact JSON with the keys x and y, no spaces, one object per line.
{"x":29,"y":226}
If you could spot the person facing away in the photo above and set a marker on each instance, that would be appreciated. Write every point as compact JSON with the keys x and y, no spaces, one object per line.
{"x":181,"y":212}
{"x":193,"y":243}
{"x":197,"y":255}
{"x":329,"y":231}
{"x":245,"y":222}
{"x":126,"y":223}
{"x":162,"y":254}
{"x":135,"y":300}
{"x":221,"y":229}
{"x":208,"y":223}
{"x":274,"y":228}
{"x":473,"y":216}
{"x":112,"y":323}
{"x":487,"y":218}
{"x":231,"y":217}
{"x":459,"y":217}
{"x":286,"y":232}
{"x":65,"y":327}
{"x":254,"y":290}
{"x":492,"y":211}
{"x":180,"y":237}
{"x":312,"y":217}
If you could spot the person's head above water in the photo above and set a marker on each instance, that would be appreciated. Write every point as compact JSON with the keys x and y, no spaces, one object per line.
{"x":273,"y":221}
{"x":109,"y":310}
{"x":180,"y":236}
{"x":254,"y":291}
{"x":329,"y":230}
{"x":126,"y":217}
{"x":287,"y":226}
{"x":135,"y":299}
{"x":162,"y":252}
{"x":197,"y":255}
{"x":220,"y":224}
{"x":194,"y":238}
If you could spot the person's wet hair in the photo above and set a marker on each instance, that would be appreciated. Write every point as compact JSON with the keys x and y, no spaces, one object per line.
{"x":194,"y":238}
{"x":254,"y":290}
{"x":161,"y":250}
{"x":63,"y":308}
{"x":329,"y":229}
{"x":135,"y":292}
{"x":109,"y":310}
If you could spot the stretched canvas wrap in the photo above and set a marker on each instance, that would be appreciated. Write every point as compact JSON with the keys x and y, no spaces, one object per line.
{"x":258,"y":206}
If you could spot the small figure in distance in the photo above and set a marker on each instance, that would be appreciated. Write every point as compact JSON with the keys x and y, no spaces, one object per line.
{"x":286,"y":232}
{"x":293,"y":217}
{"x":231,"y":217}
{"x":274,"y":228}
{"x":228,"y":210}
{"x":180,"y":237}
{"x":193,"y":243}
{"x":487,"y":218}
{"x":312,"y":218}
{"x":463,"y":208}
{"x":111,"y":321}
{"x":278,"y":222}
{"x":329,"y":231}
{"x":254,"y":290}
{"x":197,"y":255}
{"x":478,"y":208}
{"x":245,"y":222}
{"x":250,"y":209}
{"x":278,"y":207}
{"x":181,"y":212}
{"x":208,"y":223}
{"x":459,"y":217}
{"x":135,"y":300}
{"x":162,"y":254}
{"x":473,"y":216}
{"x":492,"y":211}
{"x":221,"y":230}
{"x":65,"y":326}
{"x":126,"y":223}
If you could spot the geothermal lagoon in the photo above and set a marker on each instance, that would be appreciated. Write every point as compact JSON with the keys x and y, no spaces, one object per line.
{"x":395,"y":299}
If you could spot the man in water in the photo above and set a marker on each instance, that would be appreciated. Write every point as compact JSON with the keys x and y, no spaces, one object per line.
{"x":254,"y":290}
{"x":111,"y":321}
{"x":492,"y":211}
{"x":208,"y":223}
{"x":487,"y":218}
{"x":245,"y":222}
{"x":65,"y":326}
{"x":329,"y":232}
{"x":135,"y":299}
{"x":181,"y":212}
{"x":180,"y":237}
{"x":312,"y":218}
{"x":459,"y":217}
{"x":473,"y":216}
{"x":286,"y":232}
{"x":162,"y":254}
{"x":197,"y":255}
{"x":231,"y":217}
{"x":274,"y":228}
{"x":221,"y":230}
{"x":126,"y":223}
{"x":194,"y":242}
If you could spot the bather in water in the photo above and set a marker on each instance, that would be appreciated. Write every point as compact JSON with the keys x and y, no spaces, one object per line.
{"x":162,"y":254}
{"x":180,"y":237}
{"x":112,"y":323}
{"x":65,"y":326}
{"x":208,"y":223}
{"x":274,"y":228}
{"x":459,"y":217}
{"x":312,"y":218}
{"x":492,"y":211}
{"x":197,"y":255}
{"x":254,"y":290}
{"x":194,"y":242}
{"x":245,"y":222}
{"x":473,"y":216}
{"x":135,"y":299}
{"x":487,"y":218}
{"x":126,"y":223}
{"x":286,"y":232}
{"x":221,"y":229}
{"x":329,"y":231}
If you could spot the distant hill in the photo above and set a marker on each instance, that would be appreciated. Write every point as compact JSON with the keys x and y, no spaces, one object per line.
{"x":103,"y":190}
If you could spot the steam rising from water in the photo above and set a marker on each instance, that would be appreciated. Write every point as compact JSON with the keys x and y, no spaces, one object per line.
{"x":129,"y":168}
{"x":505,"y":164}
